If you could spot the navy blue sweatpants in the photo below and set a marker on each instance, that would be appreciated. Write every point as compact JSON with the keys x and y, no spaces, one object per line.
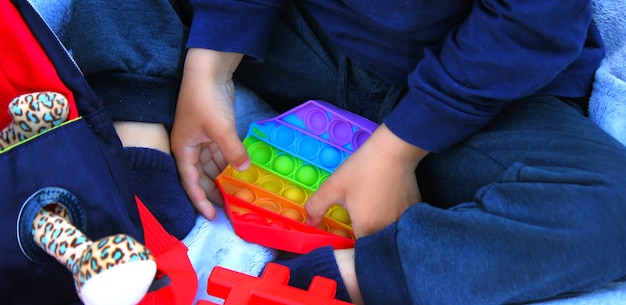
{"x":531,"y":207}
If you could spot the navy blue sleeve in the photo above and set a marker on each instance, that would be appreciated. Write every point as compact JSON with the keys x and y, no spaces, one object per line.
{"x":234,"y":25}
{"x":503,"y":51}
{"x":131,"y":53}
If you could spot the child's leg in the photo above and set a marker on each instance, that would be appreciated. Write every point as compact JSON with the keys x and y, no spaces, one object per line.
{"x":154,"y":175}
{"x":143,"y":134}
{"x":531,"y":207}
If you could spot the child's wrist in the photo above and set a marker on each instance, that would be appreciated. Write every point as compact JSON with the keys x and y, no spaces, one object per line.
{"x":214,"y":64}
{"x":395,"y":148}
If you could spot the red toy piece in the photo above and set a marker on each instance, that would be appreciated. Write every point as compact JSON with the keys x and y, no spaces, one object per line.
{"x":270,"y":289}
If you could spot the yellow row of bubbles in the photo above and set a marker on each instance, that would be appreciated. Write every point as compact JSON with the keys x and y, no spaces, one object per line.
{"x":276,"y":185}
{"x":271,"y":183}
{"x":295,"y":212}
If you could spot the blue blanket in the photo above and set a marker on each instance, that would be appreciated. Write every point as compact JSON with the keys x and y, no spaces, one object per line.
{"x":215,"y":243}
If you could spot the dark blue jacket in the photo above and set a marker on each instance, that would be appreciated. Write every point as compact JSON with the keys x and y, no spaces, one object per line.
{"x":461,"y":61}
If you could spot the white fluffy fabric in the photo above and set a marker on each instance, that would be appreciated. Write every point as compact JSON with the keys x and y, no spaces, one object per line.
{"x":214,"y":243}
{"x":607,"y":106}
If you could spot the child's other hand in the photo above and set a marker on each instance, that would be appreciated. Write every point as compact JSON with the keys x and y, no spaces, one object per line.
{"x":204,"y":137}
{"x":376,"y":184}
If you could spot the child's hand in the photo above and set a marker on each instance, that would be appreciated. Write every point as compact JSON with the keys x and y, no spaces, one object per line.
{"x":204,"y":137}
{"x":375,"y":184}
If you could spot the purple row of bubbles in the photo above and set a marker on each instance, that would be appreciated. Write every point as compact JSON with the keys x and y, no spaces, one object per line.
{"x":336,"y":130}
{"x":319,"y":121}
{"x":340,"y":127}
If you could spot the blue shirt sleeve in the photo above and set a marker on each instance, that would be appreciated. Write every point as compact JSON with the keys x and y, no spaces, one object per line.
{"x":234,"y":25}
{"x":503,"y":51}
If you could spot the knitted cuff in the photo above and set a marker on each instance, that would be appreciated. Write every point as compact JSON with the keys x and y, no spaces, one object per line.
{"x":156,"y":182}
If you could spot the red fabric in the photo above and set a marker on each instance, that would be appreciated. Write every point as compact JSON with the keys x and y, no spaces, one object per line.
{"x":172,"y":260}
{"x":24,"y":66}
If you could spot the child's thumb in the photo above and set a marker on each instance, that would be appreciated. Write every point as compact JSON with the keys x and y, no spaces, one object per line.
{"x":318,"y":204}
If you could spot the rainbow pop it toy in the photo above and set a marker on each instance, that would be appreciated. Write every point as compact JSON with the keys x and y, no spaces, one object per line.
{"x":291,"y":155}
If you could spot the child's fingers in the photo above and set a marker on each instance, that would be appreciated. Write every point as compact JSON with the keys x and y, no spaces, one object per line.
{"x":190,"y":171}
{"x":212,"y":163}
{"x":318,"y":204}
{"x":203,"y":194}
{"x":206,"y":208}
{"x":232,"y":149}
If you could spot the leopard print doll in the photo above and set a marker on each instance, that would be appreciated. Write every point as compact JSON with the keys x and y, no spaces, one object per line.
{"x":33,"y":113}
{"x":86,"y":259}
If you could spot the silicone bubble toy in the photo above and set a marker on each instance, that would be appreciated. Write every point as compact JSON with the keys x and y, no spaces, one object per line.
{"x":291,"y":155}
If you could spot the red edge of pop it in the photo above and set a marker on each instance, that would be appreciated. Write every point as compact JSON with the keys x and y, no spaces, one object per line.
{"x":237,"y":288}
{"x":301,"y":240}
